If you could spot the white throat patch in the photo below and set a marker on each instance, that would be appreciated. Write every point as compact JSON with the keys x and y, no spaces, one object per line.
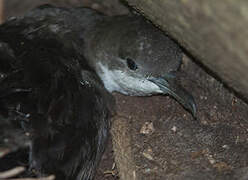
{"x":116,"y":80}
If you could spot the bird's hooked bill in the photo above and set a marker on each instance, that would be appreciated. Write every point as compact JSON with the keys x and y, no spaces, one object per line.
{"x":175,"y":90}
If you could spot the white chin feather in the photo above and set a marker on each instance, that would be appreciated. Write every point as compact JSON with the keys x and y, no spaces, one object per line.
{"x":116,"y":80}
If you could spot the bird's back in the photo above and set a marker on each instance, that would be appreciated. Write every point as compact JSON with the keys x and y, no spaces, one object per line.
{"x":48,"y":89}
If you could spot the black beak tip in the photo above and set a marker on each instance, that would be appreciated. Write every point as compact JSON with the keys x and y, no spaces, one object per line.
{"x":193,"y":109}
{"x":190,"y":105}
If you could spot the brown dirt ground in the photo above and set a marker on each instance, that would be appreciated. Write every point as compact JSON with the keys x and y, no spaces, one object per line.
{"x":175,"y":146}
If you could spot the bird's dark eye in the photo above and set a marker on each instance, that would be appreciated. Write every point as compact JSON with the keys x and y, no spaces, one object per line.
{"x":131,"y":64}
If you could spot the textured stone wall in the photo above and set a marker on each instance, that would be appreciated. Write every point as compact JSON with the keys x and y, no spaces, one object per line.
{"x":215,"y":32}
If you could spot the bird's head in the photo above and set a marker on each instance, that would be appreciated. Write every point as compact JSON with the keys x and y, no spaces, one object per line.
{"x":133,"y":57}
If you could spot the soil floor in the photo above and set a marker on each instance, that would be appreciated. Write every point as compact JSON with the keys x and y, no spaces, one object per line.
{"x":155,"y":138}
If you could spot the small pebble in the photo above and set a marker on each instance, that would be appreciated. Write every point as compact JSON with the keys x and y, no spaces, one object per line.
{"x":147,"y":170}
{"x":148,"y":154}
{"x":147,"y":128}
{"x":225,"y":146}
{"x":174,"y":128}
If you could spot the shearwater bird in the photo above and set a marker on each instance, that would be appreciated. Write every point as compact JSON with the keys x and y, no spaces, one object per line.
{"x":58,"y":67}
